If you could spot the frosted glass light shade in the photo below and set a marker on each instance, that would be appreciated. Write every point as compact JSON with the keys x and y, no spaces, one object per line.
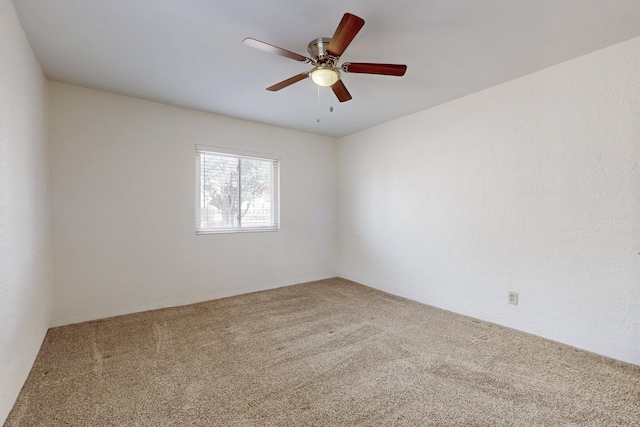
{"x":325,"y":76}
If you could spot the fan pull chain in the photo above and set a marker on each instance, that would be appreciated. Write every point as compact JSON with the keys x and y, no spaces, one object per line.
{"x":318,"y":104}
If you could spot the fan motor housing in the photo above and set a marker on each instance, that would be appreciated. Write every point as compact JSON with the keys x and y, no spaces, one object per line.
{"x":318,"y":49}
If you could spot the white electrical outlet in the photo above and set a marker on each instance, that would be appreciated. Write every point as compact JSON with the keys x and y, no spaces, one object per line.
{"x":513,"y":298}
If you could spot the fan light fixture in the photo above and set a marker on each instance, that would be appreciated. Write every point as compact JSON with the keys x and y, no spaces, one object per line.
{"x":325,"y":76}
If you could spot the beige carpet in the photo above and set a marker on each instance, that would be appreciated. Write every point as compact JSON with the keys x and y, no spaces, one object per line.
{"x":327,"y":353}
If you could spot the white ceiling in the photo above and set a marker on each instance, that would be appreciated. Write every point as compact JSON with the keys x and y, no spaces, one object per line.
{"x":190,"y":53}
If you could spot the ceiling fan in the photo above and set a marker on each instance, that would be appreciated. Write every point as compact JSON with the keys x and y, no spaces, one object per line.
{"x":325,"y":54}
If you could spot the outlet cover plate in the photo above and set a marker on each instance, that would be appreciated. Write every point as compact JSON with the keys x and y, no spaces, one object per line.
{"x":513,"y":298}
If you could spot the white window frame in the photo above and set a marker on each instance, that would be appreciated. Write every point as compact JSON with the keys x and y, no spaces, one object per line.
{"x":237,"y":154}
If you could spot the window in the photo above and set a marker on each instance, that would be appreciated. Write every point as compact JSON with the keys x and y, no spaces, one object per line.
{"x":237,"y":191}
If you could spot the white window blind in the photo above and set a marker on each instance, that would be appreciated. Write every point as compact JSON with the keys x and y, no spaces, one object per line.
{"x":236,"y":191}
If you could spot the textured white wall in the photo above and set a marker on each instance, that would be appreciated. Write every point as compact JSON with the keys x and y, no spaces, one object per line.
{"x":25,"y":232}
{"x":531,"y":186}
{"x":123,"y":185}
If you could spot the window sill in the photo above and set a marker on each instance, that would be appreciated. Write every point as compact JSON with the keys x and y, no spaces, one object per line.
{"x":237,"y":230}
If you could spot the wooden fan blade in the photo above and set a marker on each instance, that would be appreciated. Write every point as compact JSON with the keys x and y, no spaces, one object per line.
{"x":346,"y":31}
{"x":295,"y":79}
{"x":277,"y":50}
{"x":369,"y":68}
{"x":341,"y":91}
